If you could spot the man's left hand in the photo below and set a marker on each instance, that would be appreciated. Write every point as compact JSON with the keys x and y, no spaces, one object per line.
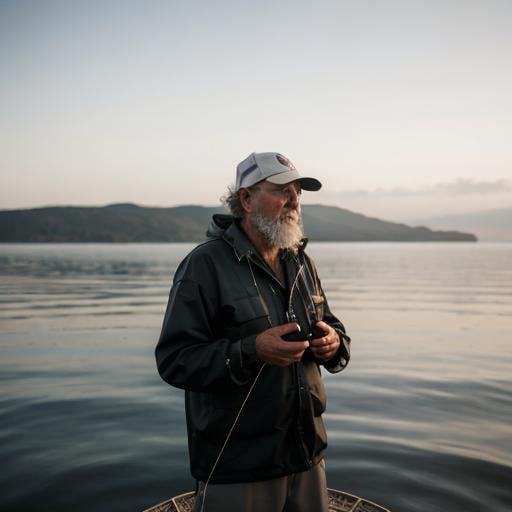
{"x":326,"y":347}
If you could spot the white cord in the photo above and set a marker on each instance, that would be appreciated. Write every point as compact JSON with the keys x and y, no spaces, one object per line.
{"x":229,"y":435}
{"x":290,"y":300}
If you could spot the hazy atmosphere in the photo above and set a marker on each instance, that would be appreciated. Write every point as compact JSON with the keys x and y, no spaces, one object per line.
{"x":402,"y":109}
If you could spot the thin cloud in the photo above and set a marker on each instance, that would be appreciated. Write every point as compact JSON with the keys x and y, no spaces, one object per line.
{"x":459,"y":187}
{"x":471,"y":187}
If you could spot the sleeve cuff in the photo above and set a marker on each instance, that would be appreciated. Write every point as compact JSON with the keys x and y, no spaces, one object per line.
{"x":248,"y":349}
{"x":241,"y":356}
{"x":341,"y":359}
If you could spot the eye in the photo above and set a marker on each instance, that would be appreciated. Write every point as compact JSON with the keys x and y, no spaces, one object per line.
{"x":295,"y":186}
{"x":286,"y":190}
{"x":282,"y":190}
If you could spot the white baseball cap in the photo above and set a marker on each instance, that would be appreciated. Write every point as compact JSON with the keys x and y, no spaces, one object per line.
{"x":272,"y":167}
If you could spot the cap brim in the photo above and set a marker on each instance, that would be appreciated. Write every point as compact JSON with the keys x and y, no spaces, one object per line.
{"x":311,"y":184}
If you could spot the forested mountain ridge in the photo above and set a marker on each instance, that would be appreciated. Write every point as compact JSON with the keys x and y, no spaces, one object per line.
{"x":133,"y":223}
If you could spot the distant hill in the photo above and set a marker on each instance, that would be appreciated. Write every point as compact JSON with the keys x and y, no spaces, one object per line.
{"x":330,"y":223}
{"x":489,"y":226}
{"x":132,"y":223}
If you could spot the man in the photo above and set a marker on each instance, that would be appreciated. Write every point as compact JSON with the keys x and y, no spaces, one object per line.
{"x":254,"y":398}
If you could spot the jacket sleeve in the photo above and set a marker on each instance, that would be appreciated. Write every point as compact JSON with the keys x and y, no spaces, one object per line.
{"x":342,"y":357}
{"x":187,"y":354}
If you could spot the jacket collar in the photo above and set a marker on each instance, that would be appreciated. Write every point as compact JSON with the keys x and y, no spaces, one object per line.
{"x":236,"y":237}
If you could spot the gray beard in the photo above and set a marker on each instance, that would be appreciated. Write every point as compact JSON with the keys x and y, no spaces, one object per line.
{"x":281,"y":233}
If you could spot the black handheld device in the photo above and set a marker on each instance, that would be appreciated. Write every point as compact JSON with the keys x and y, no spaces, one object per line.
{"x":299,"y":334}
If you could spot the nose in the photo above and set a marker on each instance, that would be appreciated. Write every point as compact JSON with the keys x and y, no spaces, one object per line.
{"x":294,"y":198}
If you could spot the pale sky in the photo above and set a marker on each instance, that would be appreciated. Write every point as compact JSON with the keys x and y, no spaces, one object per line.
{"x":403,"y":109}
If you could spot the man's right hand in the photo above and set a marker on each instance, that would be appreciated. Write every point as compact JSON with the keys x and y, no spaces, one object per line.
{"x":272,"y":349}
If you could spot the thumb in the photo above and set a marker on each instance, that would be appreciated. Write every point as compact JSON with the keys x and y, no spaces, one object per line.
{"x":287,"y":328}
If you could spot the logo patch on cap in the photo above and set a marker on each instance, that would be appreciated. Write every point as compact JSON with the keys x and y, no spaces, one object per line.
{"x":284,"y":161}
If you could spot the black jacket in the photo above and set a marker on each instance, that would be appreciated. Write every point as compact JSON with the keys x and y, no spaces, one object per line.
{"x":222,"y":295}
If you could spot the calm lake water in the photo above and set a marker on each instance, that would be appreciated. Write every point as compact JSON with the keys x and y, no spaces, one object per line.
{"x":421,"y":420}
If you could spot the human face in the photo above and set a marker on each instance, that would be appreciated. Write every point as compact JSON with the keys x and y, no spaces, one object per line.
{"x":277,"y":201}
{"x":276,"y":215}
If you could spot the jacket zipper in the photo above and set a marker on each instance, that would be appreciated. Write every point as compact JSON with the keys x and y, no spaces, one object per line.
{"x":298,"y":384}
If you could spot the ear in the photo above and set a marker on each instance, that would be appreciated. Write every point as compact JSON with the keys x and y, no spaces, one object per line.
{"x":245,"y":199}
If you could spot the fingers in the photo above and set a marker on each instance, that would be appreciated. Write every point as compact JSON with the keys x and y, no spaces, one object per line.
{"x":291,"y":352}
{"x":326,"y":347}
{"x":323,"y":326}
{"x":272,"y":349}
{"x":325,"y":352}
{"x":329,"y":334}
{"x":281,"y":330}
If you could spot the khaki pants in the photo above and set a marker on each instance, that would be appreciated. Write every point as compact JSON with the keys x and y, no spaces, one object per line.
{"x":300,"y":492}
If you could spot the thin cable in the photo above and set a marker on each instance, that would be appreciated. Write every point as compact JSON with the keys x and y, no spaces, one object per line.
{"x":235,"y":421}
{"x":229,"y":434}
{"x":290,"y":300}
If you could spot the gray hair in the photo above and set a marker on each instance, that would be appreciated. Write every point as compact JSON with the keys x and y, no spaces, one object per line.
{"x":231,"y":200}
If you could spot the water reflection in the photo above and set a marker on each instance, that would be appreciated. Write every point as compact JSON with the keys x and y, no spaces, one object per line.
{"x":419,"y":421}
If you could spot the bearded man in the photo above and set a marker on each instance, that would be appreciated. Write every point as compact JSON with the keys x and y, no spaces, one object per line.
{"x":246,"y":330}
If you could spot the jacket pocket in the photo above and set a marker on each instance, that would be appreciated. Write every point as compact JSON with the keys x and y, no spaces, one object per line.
{"x":316,"y":387}
{"x":248,"y":309}
{"x":249,"y":317}
{"x":317,"y":391}
{"x":318,"y":402}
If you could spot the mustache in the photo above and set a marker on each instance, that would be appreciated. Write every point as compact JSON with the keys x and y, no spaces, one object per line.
{"x":293,"y":215}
